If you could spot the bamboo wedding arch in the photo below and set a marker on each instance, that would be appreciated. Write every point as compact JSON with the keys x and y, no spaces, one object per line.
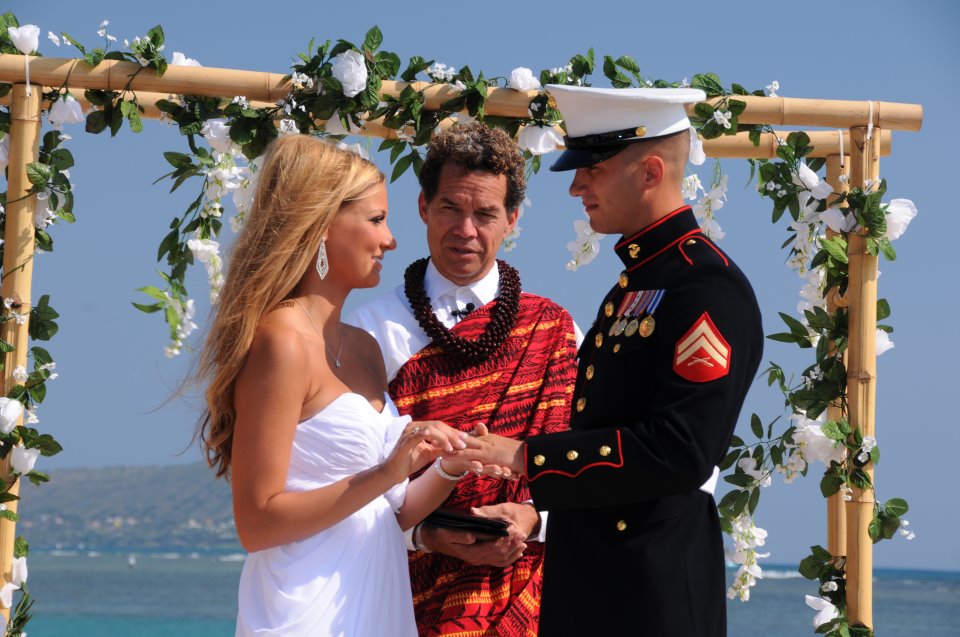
{"x":852,"y":156}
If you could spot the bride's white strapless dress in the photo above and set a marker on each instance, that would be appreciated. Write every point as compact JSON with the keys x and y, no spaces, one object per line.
{"x":351,"y":579}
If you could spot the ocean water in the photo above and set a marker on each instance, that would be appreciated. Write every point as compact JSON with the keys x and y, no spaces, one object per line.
{"x":194,"y":595}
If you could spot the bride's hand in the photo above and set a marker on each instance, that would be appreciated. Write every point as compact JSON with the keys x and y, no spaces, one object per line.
{"x":421,"y":443}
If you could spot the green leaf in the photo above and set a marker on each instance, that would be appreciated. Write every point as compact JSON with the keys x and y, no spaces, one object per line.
{"x":20,"y":547}
{"x":401,"y":166}
{"x":736,"y":441}
{"x":810,"y":567}
{"x":753,"y":501}
{"x":178,"y":160}
{"x":5,"y":346}
{"x":155,"y":35}
{"x":38,"y":478}
{"x":830,"y":484}
{"x":832,"y":431}
{"x":373,"y":39}
{"x":628,"y":63}
{"x":729,"y":459}
{"x":896,"y":506}
{"x":38,"y":174}
{"x":756,"y":426}
{"x":739,"y":480}
{"x":148,"y":309}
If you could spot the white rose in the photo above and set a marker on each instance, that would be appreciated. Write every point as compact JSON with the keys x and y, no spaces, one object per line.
{"x":837,"y":220}
{"x":19,"y":571}
{"x":539,"y":140}
{"x":900,"y":212}
{"x":521,"y":79}
{"x":351,"y":70}
{"x":23,"y":459}
{"x":6,"y":594}
{"x":26,"y":38}
{"x":66,"y":110}
{"x":883,"y":342}
{"x":10,"y":411}
{"x":811,"y":181}
{"x":827,"y":611}
{"x":697,"y":155}
{"x":217,"y":134}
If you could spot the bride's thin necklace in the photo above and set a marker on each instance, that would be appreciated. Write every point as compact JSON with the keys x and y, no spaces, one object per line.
{"x":336,"y":359}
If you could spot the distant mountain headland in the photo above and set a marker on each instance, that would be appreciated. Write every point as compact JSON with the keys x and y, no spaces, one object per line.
{"x":162,"y":508}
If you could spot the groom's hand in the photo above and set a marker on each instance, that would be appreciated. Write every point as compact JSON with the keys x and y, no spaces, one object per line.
{"x":496,"y":450}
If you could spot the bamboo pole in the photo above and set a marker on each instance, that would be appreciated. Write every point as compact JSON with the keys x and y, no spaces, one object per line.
{"x":739,"y":146}
{"x":17,"y":270}
{"x":861,"y":384}
{"x":837,"y":166}
{"x":825,"y":144}
{"x":270,"y":87}
{"x":795,"y":111}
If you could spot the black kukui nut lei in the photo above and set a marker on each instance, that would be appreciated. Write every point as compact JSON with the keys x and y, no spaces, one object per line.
{"x":502,"y":316}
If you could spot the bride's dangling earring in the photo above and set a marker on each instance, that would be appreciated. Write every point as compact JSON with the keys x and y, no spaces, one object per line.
{"x":323,"y":264}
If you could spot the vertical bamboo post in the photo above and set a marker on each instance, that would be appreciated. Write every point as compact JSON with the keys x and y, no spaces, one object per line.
{"x":17,"y":269}
{"x":861,"y":382}
{"x":837,"y":166}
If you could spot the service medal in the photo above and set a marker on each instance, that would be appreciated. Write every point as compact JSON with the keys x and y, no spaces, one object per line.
{"x":621,"y":326}
{"x":613,"y":327}
{"x":647,"y":326}
{"x":632,"y":327}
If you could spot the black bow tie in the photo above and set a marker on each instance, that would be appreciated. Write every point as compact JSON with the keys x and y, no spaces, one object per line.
{"x":461,"y":314}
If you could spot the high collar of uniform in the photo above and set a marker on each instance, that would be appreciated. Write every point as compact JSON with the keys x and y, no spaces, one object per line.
{"x":644,"y":245}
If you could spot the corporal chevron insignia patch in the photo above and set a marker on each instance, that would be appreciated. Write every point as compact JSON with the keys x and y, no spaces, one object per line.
{"x":702,"y":354}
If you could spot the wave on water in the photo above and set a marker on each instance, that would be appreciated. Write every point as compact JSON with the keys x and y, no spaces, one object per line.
{"x":166,"y":556}
{"x":233,"y":557}
{"x":777,"y":574}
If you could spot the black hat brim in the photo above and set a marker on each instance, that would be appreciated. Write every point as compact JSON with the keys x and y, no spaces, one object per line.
{"x":573,"y":158}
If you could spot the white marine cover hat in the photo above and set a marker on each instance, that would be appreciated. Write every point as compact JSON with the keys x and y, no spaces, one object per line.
{"x":603,"y":121}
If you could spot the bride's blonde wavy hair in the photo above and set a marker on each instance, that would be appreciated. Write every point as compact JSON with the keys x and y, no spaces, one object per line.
{"x":302,"y":184}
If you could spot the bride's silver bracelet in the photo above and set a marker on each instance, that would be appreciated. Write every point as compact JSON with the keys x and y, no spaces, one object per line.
{"x":447,"y":476}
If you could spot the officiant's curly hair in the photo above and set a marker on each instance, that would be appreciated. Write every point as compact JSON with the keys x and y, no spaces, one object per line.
{"x":303,"y":182}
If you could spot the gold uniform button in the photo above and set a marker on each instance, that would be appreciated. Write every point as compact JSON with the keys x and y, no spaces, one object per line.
{"x":581,"y":404}
{"x":590,"y":371}
{"x":572,"y":455}
{"x":616,"y":348}
{"x":608,"y":309}
{"x":624,"y":281}
{"x":598,"y":340}
{"x":605,"y":450}
{"x":621,"y":525}
{"x":539,"y":460}
{"x":690,"y":242}
{"x":641,"y":131}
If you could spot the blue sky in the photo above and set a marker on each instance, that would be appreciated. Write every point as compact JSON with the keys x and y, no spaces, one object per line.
{"x":114,"y":400}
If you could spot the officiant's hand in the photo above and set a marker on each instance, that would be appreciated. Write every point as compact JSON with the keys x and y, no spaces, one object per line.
{"x":475,"y":548}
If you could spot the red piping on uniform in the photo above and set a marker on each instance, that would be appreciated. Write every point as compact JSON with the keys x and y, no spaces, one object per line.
{"x":717,"y":250}
{"x":664,"y":249}
{"x":653,"y":225}
{"x":582,"y":469}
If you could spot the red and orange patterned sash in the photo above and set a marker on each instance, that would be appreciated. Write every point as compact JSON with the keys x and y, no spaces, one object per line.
{"x":522,"y":390}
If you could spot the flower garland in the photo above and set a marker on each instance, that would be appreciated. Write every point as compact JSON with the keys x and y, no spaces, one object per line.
{"x":335,"y":91}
